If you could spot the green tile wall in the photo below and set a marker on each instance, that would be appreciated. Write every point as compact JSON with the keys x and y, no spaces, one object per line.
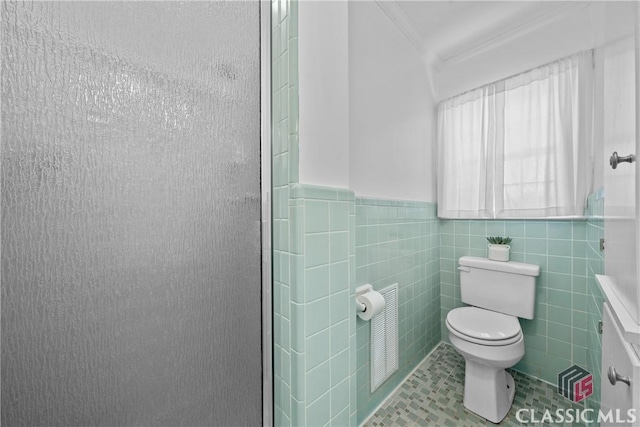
{"x":284,"y":140}
{"x":323,"y":320}
{"x":595,"y":299}
{"x":314,"y":333}
{"x":562,"y":333}
{"x":557,"y":337}
{"x":398,"y":242}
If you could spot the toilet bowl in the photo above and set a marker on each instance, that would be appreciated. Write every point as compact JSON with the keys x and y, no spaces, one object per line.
{"x":487,"y":333}
{"x":488,"y":349}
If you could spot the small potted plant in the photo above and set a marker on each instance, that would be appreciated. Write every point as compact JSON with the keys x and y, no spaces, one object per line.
{"x":499,"y":248}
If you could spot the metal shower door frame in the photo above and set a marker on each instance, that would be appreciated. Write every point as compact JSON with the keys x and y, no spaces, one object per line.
{"x":265,"y":187}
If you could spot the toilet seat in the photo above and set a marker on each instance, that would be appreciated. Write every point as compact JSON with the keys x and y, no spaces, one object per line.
{"x":484,"y":327}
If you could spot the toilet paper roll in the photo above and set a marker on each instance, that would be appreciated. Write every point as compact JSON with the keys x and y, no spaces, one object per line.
{"x":374,"y":303}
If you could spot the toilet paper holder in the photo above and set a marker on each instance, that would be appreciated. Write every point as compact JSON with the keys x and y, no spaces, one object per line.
{"x":361,"y":307}
{"x":360,"y":290}
{"x":369,"y":303}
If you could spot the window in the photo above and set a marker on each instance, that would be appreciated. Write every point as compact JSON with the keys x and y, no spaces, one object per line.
{"x":521,"y":147}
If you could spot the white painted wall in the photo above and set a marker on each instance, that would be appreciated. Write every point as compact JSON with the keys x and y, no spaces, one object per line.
{"x":324,"y":93}
{"x":366,"y":110}
{"x":391,"y":110}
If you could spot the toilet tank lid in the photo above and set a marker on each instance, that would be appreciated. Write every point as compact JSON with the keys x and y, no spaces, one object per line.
{"x":507,"y":267}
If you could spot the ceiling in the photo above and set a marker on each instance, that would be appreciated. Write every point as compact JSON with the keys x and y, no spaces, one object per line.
{"x":447,"y":30}
{"x":467,"y":43}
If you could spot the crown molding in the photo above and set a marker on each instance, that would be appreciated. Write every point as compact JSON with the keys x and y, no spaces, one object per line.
{"x":400,"y":20}
{"x":404,"y":24}
{"x":432,"y":61}
{"x":397,"y":16}
{"x":504,"y":37}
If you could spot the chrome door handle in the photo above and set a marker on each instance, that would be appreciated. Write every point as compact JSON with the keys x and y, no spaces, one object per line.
{"x":614,"y":377}
{"x":615,"y":159}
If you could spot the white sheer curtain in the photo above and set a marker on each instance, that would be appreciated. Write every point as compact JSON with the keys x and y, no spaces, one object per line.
{"x":521,"y":147}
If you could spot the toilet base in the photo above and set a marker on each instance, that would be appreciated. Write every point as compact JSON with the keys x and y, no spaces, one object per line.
{"x":488,"y":391}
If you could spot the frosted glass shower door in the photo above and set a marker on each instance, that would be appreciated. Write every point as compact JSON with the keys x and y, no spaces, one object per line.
{"x":131,"y":203}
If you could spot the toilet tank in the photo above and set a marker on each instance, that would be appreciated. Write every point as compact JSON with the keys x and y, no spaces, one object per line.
{"x":505,"y":287}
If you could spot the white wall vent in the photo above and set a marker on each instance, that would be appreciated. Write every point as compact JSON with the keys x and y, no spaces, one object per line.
{"x":384,"y":338}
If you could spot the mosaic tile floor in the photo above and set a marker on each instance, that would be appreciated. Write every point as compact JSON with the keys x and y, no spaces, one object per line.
{"x":432,"y":396}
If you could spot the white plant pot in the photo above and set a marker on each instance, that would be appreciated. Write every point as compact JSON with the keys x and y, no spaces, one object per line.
{"x":499,"y":252}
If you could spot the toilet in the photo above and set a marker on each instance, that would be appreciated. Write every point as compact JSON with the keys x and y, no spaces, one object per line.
{"x":487,"y":332}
